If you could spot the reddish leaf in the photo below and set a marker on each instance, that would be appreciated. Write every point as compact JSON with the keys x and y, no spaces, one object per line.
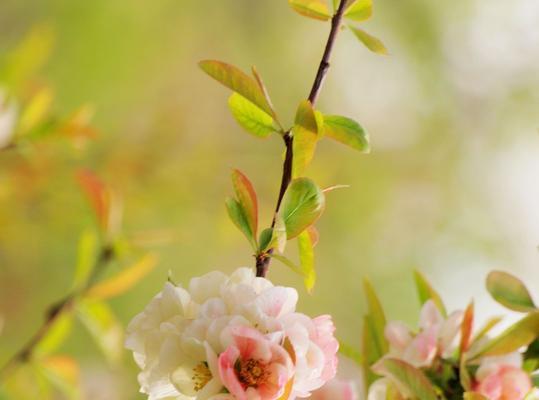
{"x":466,"y":328}
{"x":246,"y":196}
{"x":98,"y":195}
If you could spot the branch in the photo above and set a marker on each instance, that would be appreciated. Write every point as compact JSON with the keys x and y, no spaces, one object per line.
{"x":53,"y":313}
{"x":263,"y":260}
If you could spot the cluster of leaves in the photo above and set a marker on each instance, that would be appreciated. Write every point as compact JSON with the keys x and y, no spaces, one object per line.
{"x":108,"y":263}
{"x":356,"y":11}
{"x":27,"y":105}
{"x":303,"y":201}
{"x":454,"y":378}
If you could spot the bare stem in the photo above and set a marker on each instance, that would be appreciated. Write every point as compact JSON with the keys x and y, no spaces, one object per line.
{"x":52,"y":314}
{"x":263,"y":260}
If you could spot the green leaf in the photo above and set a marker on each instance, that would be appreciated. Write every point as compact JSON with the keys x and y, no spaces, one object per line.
{"x":408,"y":378}
{"x":302,"y":205}
{"x":250,"y":117}
{"x":236,"y":80}
{"x":238,"y":217}
{"x":316,"y":9}
{"x":426,"y":292}
{"x":105,"y":329}
{"x":288,"y":262}
{"x":370,"y":349}
{"x":351,"y":353}
{"x":86,"y":255}
{"x":359,"y":10}
{"x":346,"y":131}
{"x":372,"y":43}
{"x":124,"y":280}
{"x":55,"y":336}
{"x":376,"y":315}
{"x":306,"y":259}
{"x":516,"y":336}
{"x":264,"y":241}
{"x":246,"y":196}
{"x":305,"y":133}
{"x":509,"y":291}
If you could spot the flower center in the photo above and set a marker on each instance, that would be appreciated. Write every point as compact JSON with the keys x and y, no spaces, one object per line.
{"x":201,"y":376}
{"x":251,"y":372}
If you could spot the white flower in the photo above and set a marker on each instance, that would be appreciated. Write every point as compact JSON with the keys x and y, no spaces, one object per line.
{"x":181,"y":339}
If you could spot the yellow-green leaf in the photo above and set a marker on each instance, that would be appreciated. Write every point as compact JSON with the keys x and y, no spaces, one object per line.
{"x":250,"y":117}
{"x":265,"y":92}
{"x":55,"y":336}
{"x":101,"y":322}
{"x":408,"y":378}
{"x":306,"y":259}
{"x":509,"y":291}
{"x":236,"y":80}
{"x":246,"y":196}
{"x":238,"y":217}
{"x":124,"y":280}
{"x":376,"y":315}
{"x":359,"y":10}
{"x":279,"y":238}
{"x":63,"y":372}
{"x":86,"y":255}
{"x":346,"y":131}
{"x":302,"y":205}
{"x":305,"y":133}
{"x":372,"y":43}
{"x":516,"y":336}
{"x":36,"y":110}
{"x":316,"y":9}
{"x":426,"y":292}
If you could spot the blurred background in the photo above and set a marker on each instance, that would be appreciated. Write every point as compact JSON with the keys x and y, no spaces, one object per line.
{"x":451,"y":186}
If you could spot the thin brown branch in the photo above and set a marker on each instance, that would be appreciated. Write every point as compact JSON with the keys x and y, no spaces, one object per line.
{"x":263,"y":260}
{"x":53,"y":313}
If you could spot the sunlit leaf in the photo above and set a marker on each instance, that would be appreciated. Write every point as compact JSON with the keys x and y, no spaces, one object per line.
{"x":346,"y":131}
{"x":359,"y":10}
{"x":238,"y":217}
{"x":97,"y":194}
{"x":305,"y":132}
{"x":29,"y":56}
{"x":55,"y":336}
{"x":250,"y":117}
{"x":316,"y":9}
{"x":408,"y":378}
{"x":36,"y":110}
{"x":372,"y":43}
{"x":265,"y":92}
{"x":306,"y":260}
{"x":124,"y":280}
{"x":466,"y":328}
{"x":426,"y":292}
{"x":236,"y":80}
{"x":264,"y":241}
{"x":509,"y":291}
{"x":279,"y":233}
{"x":516,"y":336}
{"x":86,"y":256}
{"x":302,"y":205}
{"x":370,"y":349}
{"x":289,"y":263}
{"x":105,"y":329}
{"x":246,"y":196}
{"x":377,"y":316}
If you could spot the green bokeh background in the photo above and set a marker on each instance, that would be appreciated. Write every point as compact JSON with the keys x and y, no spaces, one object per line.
{"x":451,"y":185}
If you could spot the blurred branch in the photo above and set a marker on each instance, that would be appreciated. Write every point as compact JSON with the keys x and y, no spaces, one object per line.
{"x":54,"y":312}
{"x":263,"y":260}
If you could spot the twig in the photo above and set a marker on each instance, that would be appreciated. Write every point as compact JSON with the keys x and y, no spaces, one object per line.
{"x":53,"y":313}
{"x":263,"y":260}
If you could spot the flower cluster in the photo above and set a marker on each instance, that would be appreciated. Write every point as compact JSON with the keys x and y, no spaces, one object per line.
{"x":231,"y":337}
{"x":435,"y":349}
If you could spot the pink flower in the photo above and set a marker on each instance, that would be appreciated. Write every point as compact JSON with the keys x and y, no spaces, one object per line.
{"x":437,"y":336}
{"x":501,"y":378}
{"x":254,"y":366}
{"x":316,"y":349}
{"x":336,"y":389}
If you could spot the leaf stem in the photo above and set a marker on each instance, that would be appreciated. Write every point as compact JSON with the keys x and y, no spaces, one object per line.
{"x":263,"y":260}
{"x":53,"y":313}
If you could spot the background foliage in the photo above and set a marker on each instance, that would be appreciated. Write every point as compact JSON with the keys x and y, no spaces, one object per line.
{"x":450,"y":186}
